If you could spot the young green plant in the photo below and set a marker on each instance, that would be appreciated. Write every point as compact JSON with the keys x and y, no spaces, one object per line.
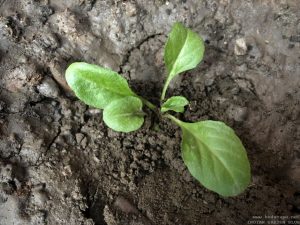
{"x":211,"y":150}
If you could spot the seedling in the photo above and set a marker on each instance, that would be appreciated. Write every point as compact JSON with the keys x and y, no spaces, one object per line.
{"x":212,"y":152}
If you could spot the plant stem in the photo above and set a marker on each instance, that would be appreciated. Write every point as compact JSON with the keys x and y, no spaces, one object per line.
{"x":174,"y":119}
{"x":163,"y":94}
{"x":167,"y":82}
{"x":149,"y":104}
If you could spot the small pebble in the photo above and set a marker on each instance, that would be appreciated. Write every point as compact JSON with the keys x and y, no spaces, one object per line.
{"x":94,"y":111}
{"x":84,"y":142}
{"x":48,"y":88}
{"x":130,"y":9}
{"x":22,"y":59}
{"x":124,"y":205}
{"x":237,"y":113}
{"x":240,"y":47}
{"x":57,"y":69}
{"x":79,"y":137}
{"x":39,"y":197}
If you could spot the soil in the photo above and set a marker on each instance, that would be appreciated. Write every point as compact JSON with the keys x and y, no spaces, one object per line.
{"x":59,"y":164}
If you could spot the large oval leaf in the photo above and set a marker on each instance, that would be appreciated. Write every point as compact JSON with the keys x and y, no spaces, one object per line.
{"x":95,"y":85}
{"x":215,"y":156}
{"x":183,"y":51}
{"x":175,"y":103}
{"x":124,"y":115}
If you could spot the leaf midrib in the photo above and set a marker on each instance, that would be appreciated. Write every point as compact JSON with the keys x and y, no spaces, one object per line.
{"x":128,"y":114}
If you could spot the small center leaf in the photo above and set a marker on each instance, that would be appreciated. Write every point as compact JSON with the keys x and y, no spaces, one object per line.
{"x":124,"y":115}
{"x":175,"y":103}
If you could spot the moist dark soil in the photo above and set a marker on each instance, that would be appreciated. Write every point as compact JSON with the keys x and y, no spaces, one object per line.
{"x":59,"y":163}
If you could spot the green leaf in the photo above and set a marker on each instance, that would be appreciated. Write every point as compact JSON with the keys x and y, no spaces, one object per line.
{"x":175,"y":103}
{"x":215,"y":156}
{"x":183,"y":51}
{"x":125,"y":114}
{"x":95,"y":85}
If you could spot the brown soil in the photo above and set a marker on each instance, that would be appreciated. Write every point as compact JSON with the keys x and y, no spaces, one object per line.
{"x":59,"y":164}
